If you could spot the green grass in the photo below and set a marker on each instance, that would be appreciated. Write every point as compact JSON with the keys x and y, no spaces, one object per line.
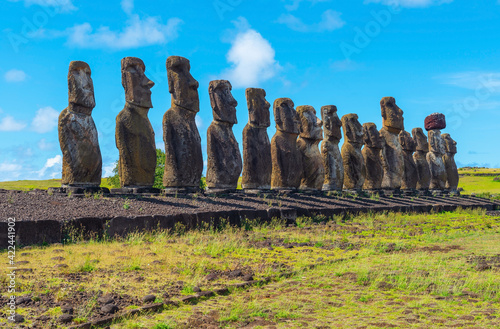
{"x":28,"y":185}
{"x":479,"y":184}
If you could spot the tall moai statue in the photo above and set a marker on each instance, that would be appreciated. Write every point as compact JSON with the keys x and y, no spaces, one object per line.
{"x":374,"y":171}
{"x":183,"y":157}
{"x":354,"y":164}
{"x":257,"y":162}
{"x":392,"y":154}
{"x":410,"y":176}
{"x":286,"y":157}
{"x":433,"y":124}
{"x":330,"y":151}
{"x":311,"y":134}
{"x":452,"y":177}
{"x":420,"y":158}
{"x":224,"y":159}
{"x":135,"y":138}
{"x":82,"y":162}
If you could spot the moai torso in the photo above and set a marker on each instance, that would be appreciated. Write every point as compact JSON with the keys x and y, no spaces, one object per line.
{"x":135,"y":138}
{"x":257,"y":162}
{"x":374,"y":171}
{"x":330,"y":151}
{"x":392,"y":154}
{"x":452,"y":175}
{"x":410,"y":176}
{"x":354,"y":164}
{"x":435,"y":160}
{"x":420,"y":158}
{"x":224,"y":160}
{"x":286,"y":157}
{"x":311,"y":133}
{"x":82,"y":162}
{"x":183,"y":155}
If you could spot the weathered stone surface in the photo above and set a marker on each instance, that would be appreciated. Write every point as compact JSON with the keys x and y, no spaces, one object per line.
{"x":449,"y":163}
{"x":374,"y":171}
{"x":224,"y":159}
{"x":330,"y":151}
{"x":183,"y":155}
{"x":420,"y":158}
{"x":354,"y":164}
{"x":135,"y":138}
{"x":311,"y":133}
{"x":257,"y":162}
{"x":435,"y":159}
{"x":435,"y":121}
{"x":286,"y":157}
{"x":392,"y":154}
{"x":410,"y":176}
{"x":82,"y":162}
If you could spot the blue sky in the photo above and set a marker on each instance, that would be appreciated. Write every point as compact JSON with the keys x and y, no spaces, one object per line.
{"x":431,"y":55}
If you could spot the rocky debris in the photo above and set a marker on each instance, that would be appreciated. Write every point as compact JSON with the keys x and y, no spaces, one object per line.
{"x":109,"y":309}
{"x":149,"y":299}
{"x":65,"y":318}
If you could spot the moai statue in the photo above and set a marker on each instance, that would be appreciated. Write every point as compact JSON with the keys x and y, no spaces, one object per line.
{"x":433,"y":124}
{"x":224,"y":159}
{"x":354,"y":164}
{"x":330,"y":151}
{"x":135,"y":138}
{"x":183,"y":157}
{"x":450,"y":165}
{"x":311,"y":134}
{"x":374,"y":171}
{"x":82,"y":162}
{"x":410,"y":176}
{"x":392,"y":154}
{"x":257,"y":162}
{"x":286,"y":157}
{"x":420,"y":158}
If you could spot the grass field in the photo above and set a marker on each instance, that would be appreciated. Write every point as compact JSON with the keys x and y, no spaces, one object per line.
{"x":374,"y":271}
{"x":26,"y":185}
{"x":473,"y":171}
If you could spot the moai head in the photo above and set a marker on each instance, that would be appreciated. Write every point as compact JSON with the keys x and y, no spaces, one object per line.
{"x":436,"y":142}
{"x":392,"y":115}
{"x":182,"y":85}
{"x":258,"y":108}
{"x":136,"y":83}
{"x":80,"y":86}
{"x":406,"y":141}
{"x":420,"y":139}
{"x":371,"y":136}
{"x":311,"y":127}
{"x":331,"y":122}
{"x":450,"y":144}
{"x":353,"y":131}
{"x":222,"y":101}
{"x":285,"y":116}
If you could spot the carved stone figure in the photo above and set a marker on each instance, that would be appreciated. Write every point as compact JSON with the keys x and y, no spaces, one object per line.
{"x":392,"y":154}
{"x":82,"y":162}
{"x":449,"y":163}
{"x":374,"y":171}
{"x":135,"y":138}
{"x":330,"y":151}
{"x":224,"y":159}
{"x":257,"y":162}
{"x":354,"y":164}
{"x":183,"y":157}
{"x":311,"y":133}
{"x":286,"y":157}
{"x":420,"y":158}
{"x":410,"y":176}
{"x":435,"y":160}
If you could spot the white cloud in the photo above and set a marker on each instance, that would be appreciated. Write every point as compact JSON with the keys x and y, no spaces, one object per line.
{"x":54,"y":165}
{"x":330,"y":21}
{"x":107,"y":170}
{"x":63,"y":5}
{"x":15,"y":76}
{"x":473,"y":80}
{"x":45,"y":120}
{"x":410,"y":3}
{"x":44,"y":145}
{"x":128,"y":6}
{"x":10,"y":167}
{"x":294,"y":5}
{"x":8,"y":123}
{"x":252,"y":58}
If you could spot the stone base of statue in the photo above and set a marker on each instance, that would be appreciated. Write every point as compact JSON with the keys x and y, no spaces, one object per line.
{"x":438,"y":193}
{"x":390,"y":192}
{"x":453,"y":192}
{"x":136,"y":190}
{"x":330,"y":188}
{"x":311,"y":191}
{"x":351,"y":192}
{"x":424,"y":193}
{"x":76,"y":190}
{"x":409,"y":192}
{"x":180,"y":190}
{"x":284,"y":190}
{"x":374,"y":192}
{"x":221,"y":190}
{"x":256,"y":191}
